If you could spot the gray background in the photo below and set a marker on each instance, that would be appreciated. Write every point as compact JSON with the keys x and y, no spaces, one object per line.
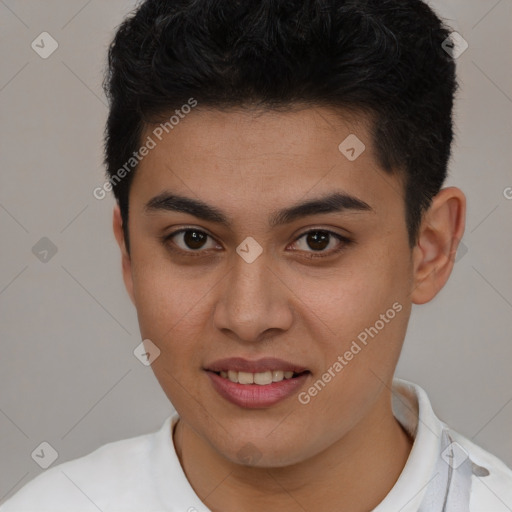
{"x":68,"y":375}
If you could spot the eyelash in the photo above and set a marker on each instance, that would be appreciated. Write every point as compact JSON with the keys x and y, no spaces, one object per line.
{"x":311,"y":255}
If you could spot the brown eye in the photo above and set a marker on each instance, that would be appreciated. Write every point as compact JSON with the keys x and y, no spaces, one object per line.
{"x":190,"y":240}
{"x":194,"y":239}
{"x":318,"y":240}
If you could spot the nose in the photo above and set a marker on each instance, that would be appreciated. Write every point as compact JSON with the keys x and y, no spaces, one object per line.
{"x":254,"y":301}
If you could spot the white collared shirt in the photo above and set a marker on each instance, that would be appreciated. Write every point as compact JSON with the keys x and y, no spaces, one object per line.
{"x":445,"y":472}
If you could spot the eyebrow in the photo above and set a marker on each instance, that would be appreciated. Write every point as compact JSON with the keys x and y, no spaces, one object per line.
{"x":336,"y":202}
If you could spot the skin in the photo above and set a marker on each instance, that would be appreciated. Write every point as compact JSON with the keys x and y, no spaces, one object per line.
{"x":345,"y":446}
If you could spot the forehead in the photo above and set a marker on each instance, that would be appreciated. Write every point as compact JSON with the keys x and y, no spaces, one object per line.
{"x":254,"y":158}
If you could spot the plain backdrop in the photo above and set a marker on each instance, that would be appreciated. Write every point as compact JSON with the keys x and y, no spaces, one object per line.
{"x":68,"y":375}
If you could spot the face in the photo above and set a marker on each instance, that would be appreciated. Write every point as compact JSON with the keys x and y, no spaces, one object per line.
{"x":324,"y":289}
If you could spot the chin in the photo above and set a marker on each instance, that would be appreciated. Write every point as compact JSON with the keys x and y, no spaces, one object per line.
{"x":263,"y":453}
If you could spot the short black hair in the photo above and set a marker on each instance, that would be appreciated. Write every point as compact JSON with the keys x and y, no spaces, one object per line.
{"x":383,"y":58}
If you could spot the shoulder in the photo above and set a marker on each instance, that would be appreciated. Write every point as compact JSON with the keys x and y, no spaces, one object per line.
{"x":492,"y":478}
{"x":114,"y":475}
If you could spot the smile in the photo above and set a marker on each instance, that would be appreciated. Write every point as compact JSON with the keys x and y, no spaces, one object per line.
{"x":258,"y":383}
{"x":260,"y":378}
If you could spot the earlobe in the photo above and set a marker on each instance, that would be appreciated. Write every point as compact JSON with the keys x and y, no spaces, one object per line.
{"x":117,"y":224}
{"x":439,"y":236}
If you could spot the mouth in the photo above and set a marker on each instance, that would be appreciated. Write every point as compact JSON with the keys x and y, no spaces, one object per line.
{"x":256,"y":384}
{"x":259,"y":378}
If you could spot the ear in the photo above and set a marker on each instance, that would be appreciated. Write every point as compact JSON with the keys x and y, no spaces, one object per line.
{"x":440,"y":233}
{"x":117,"y":223}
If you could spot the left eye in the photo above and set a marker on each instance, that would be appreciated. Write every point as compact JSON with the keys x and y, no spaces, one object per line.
{"x":318,"y":240}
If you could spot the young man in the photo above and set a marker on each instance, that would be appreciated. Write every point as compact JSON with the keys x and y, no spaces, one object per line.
{"x":278,"y":168}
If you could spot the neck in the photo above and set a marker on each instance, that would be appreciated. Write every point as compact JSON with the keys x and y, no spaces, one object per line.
{"x":358,"y":470}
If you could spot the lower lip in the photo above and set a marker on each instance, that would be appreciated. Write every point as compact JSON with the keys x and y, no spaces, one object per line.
{"x":254,"y":396}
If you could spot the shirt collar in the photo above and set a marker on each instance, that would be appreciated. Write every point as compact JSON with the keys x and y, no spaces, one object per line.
{"x":411,"y":407}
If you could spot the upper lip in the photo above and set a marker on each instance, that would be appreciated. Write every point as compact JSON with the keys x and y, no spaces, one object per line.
{"x":239,"y":364}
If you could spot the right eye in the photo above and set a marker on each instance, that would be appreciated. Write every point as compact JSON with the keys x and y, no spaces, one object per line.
{"x":187,"y":240}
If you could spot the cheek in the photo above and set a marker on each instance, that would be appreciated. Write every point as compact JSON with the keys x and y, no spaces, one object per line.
{"x":352,"y":298}
{"x":363,"y":311}
{"x":171,"y":314}
{"x":168,"y":303}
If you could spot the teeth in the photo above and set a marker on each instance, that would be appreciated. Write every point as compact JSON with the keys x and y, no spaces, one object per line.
{"x":277,"y":375}
{"x":261,"y":378}
{"x":245,"y":378}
